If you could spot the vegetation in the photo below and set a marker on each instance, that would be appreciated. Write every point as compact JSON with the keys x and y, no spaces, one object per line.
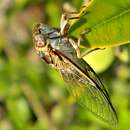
{"x":33,"y":96}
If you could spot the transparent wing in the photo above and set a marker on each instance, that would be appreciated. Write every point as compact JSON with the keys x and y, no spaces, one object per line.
{"x":89,"y":92}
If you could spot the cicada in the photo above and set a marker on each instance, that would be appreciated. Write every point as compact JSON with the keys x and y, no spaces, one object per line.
{"x":62,"y":52}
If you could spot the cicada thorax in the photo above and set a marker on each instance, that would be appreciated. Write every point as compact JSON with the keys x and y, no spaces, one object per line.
{"x":56,"y":49}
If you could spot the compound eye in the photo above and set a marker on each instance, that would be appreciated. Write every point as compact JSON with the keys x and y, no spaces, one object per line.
{"x":39,"y":41}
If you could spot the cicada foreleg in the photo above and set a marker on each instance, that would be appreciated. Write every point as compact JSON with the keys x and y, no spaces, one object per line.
{"x":64,"y":27}
{"x":67,"y":17}
{"x":64,"y":24}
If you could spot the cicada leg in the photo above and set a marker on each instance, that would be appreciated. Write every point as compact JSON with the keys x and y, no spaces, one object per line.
{"x":82,"y":36}
{"x":64,"y":27}
{"x":76,"y":45}
{"x":67,"y":17}
{"x":64,"y":24}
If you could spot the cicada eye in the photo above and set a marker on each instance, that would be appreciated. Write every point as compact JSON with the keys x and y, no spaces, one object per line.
{"x":39,"y":41}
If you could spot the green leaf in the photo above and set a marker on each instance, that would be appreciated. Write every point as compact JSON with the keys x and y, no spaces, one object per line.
{"x":108,"y":22}
{"x":98,"y":61}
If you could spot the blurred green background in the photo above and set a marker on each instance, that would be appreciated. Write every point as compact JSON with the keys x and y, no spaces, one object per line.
{"x":33,"y":95}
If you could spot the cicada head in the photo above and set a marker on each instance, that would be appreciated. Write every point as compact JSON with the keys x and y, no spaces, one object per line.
{"x":40,"y":38}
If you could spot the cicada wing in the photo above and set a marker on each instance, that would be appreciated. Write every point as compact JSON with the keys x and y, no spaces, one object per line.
{"x":90,"y":72}
{"x":89,"y":94}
